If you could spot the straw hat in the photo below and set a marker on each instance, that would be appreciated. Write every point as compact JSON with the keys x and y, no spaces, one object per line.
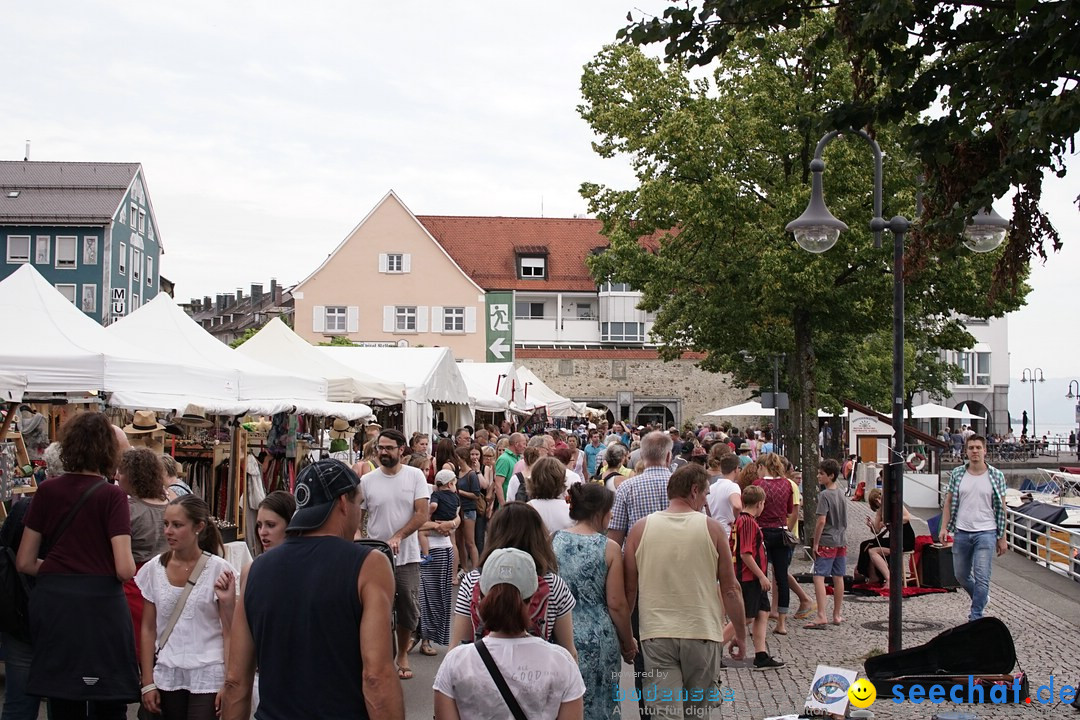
{"x":340,"y":429}
{"x":195,"y":416}
{"x":145,"y":421}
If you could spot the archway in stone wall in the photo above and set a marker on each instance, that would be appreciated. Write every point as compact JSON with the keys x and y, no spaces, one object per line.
{"x":653,"y":414}
{"x":985,"y":424}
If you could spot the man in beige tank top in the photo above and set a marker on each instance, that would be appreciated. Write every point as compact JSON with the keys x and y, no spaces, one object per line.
{"x":673,"y":560}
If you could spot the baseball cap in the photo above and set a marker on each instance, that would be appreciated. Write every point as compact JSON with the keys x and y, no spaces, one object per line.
{"x":445,"y":477}
{"x":512,"y":567}
{"x":317,"y":487}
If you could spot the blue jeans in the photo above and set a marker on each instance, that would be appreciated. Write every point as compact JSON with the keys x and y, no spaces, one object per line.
{"x":17,"y":704}
{"x":973,"y":557}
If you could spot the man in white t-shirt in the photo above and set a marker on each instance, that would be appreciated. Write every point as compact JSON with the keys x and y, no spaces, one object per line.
{"x":725,"y":495}
{"x":974,"y":509}
{"x":395,"y":500}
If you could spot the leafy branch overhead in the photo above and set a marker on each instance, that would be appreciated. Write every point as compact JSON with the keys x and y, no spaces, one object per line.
{"x":983,"y":94}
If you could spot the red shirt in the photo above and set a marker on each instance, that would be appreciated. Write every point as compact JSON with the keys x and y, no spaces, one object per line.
{"x":746,"y":537}
{"x":778,"y":505}
{"x":85,"y":548}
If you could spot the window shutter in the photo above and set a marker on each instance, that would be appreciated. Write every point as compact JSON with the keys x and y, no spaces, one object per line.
{"x":383,"y":263}
{"x":318,"y":318}
{"x":470,"y":319}
{"x":421,"y":318}
{"x":352,"y":319}
{"x":406,"y":263}
{"x":436,"y":319}
{"x":388,"y":318}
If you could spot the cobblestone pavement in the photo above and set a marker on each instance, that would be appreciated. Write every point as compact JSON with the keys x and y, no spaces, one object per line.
{"x":1045,"y":645}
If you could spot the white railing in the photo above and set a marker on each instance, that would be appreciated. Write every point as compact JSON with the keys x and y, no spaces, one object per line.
{"x":1054,"y":547}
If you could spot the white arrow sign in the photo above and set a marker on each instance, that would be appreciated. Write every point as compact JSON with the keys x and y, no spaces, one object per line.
{"x":499,"y":348}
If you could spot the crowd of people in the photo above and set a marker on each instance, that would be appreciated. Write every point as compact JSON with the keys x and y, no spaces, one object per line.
{"x":538,"y":565}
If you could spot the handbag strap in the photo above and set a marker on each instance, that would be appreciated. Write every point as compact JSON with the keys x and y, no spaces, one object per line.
{"x":71,"y":516}
{"x":500,"y":681}
{"x":188,"y":587}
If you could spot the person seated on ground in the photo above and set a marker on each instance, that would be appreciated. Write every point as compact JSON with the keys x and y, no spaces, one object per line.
{"x":873,"y":563}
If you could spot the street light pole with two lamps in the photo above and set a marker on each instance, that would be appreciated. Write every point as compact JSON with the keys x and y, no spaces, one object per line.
{"x":1033,"y":376}
{"x":816,"y":231}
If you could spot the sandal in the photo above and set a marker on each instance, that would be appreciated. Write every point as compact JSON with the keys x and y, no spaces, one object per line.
{"x":816,"y":626}
{"x":804,"y":614}
{"x":426,"y":649}
{"x":404,"y":673}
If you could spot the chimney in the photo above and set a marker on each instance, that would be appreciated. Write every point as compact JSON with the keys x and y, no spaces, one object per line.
{"x":194,"y":305}
{"x":239,"y":295}
{"x":256,"y":293}
{"x":220,"y":303}
{"x":275,"y":291}
{"x":27,"y":157}
{"x":206,"y":302}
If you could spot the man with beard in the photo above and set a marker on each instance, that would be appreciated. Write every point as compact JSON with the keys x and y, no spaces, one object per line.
{"x":395,"y":498}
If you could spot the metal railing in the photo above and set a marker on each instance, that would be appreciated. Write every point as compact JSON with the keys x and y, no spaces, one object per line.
{"x":1052,"y":546}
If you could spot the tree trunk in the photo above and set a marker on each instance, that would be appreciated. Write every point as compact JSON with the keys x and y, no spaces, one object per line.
{"x":808,"y":425}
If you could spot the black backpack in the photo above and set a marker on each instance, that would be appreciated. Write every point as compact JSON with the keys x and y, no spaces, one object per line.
{"x":14,"y":586}
{"x":522,"y":494}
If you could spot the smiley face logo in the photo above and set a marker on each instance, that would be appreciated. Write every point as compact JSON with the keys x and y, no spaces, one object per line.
{"x":862,"y":693}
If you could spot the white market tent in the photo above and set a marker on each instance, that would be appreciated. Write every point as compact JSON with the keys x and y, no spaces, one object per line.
{"x":532,"y":393}
{"x":752,"y":408}
{"x":12,"y":386}
{"x":927,"y":411}
{"x":58,"y":349}
{"x":261,"y":388}
{"x":491,"y":385}
{"x":276,"y":344}
{"x":430,"y":376}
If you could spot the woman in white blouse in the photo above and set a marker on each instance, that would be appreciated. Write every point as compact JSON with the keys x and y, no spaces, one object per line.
{"x":549,"y":494}
{"x":185,"y":681}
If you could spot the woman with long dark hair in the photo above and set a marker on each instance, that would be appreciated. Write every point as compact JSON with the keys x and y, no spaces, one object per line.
{"x":77,"y":541}
{"x":183,"y":669}
{"x":516,"y":525}
{"x":543,"y":678}
{"x":469,"y":491}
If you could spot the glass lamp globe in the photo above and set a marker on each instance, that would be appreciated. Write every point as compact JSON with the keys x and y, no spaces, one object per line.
{"x":817,"y":238}
{"x":985,"y":232}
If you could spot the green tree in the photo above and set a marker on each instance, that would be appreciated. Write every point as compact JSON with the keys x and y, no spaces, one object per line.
{"x":985,"y":94}
{"x":721,"y":167}
{"x":341,"y":340}
{"x":248,"y":334}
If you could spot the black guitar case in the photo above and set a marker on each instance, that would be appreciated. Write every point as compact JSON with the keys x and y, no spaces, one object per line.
{"x":981,"y":648}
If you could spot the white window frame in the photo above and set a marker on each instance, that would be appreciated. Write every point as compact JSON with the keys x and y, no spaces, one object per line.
{"x":136,"y":266}
{"x":968,"y":362}
{"x":42,"y":249}
{"x":404,"y":317}
{"x":18,"y":258}
{"x":607,"y":335}
{"x":142,"y":221}
{"x":62,"y":264}
{"x":453,"y":320}
{"x":64,"y":289}
{"x":395,"y":262}
{"x":121,"y":267}
{"x":134,"y":217}
{"x":149,"y":271}
{"x":335,"y":319}
{"x":136,"y":303}
{"x":89,"y":292}
{"x":532,"y":267}
{"x":531,"y":304}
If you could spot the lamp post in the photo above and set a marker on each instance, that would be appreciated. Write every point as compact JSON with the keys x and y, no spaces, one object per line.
{"x":1033,"y":376}
{"x":816,"y":231}
{"x":1072,"y":395}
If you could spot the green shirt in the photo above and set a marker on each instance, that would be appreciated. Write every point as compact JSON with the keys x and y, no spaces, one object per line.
{"x":504,"y":467}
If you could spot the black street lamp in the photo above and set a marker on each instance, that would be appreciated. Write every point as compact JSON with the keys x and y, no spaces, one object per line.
{"x":1071,"y":395}
{"x":817,"y":230}
{"x":1033,"y":376}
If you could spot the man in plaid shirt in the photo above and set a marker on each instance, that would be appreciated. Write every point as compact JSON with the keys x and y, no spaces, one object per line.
{"x":634,"y":499}
{"x":975,"y":513}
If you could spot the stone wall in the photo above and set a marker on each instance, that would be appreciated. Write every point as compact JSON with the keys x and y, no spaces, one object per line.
{"x":680,"y":386}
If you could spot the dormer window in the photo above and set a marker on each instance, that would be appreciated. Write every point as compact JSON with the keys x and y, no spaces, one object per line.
{"x":532,"y":267}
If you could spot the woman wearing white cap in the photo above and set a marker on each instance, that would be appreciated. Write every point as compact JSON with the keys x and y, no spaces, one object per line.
{"x":509,"y":667}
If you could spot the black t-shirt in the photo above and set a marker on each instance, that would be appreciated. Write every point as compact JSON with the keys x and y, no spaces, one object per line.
{"x":448,"y":501}
{"x":470,"y":483}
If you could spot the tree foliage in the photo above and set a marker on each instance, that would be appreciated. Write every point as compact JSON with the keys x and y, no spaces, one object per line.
{"x":985,"y":94}
{"x":337,"y":340}
{"x":721,"y":167}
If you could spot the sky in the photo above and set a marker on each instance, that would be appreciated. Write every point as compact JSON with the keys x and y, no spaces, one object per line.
{"x":267,"y":131}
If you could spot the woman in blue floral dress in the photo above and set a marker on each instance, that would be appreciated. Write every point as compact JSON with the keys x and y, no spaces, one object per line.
{"x":592,"y":566}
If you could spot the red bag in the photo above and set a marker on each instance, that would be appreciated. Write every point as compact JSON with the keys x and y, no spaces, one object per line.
{"x":538,"y":605}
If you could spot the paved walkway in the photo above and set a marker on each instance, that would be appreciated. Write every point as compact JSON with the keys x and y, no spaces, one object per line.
{"x":1046,"y":643}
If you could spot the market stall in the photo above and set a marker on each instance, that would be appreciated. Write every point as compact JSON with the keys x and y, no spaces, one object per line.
{"x":533,"y":393}
{"x":433,"y":383}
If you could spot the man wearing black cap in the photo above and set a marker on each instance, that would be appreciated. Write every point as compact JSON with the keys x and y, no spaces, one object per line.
{"x":315,"y":616}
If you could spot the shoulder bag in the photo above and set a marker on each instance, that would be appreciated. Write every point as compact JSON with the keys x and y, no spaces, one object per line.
{"x":500,"y":681}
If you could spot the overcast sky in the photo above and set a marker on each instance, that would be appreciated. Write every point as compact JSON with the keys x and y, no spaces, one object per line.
{"x":268,"y":130}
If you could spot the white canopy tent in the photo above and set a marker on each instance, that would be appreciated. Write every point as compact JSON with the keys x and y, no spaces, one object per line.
{"x":491,"y":385}
{"x":430,"y":375}
{"x":12,"y":386}
{"x":276,"y":344}
{"x":532,"y":393}
{"x":261,"y":388}
{"x":928,"y":411}
{"x":753,"y":408}
{"x":58,"y":349}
